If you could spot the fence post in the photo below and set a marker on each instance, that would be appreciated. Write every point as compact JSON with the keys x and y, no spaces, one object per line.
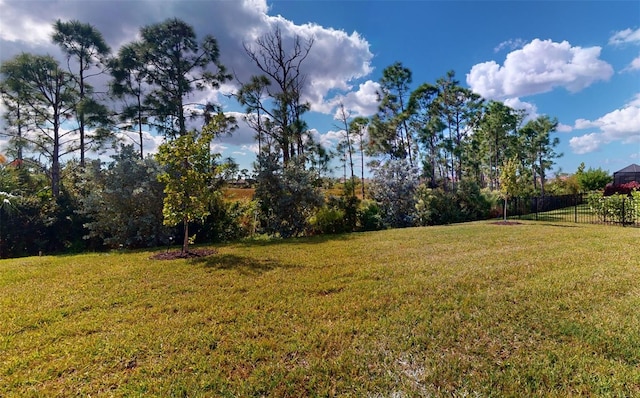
{"x":575,"y":208}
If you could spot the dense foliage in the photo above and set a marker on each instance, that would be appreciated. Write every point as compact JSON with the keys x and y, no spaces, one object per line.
{"x":438,"y":152}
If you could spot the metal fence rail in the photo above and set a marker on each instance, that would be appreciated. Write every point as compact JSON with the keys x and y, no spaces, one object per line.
{"x":577,"y":209}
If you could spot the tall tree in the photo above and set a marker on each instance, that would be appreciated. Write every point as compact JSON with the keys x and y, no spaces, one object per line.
{"x":497,"y":127}
{"x":358,"y":128}
{"x":129,"y":80}
{"x":539,"y":147}
{"x":390,"y":132}
{"x":343,"y":116}
{"x":460,"y":110}
{"x":283,"y":82}
{"x":176,"y":65}
{"x":425,"y":120}
{"x":85,"y":45}
{"x":49,"y":95}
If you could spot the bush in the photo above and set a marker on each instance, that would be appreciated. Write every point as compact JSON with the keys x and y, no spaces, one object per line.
{"x":394,"y":186}
{"x":328,"y":220}
{"x":617,"y":208}
{"x":621,"y":189}
{"x":369,"y":216}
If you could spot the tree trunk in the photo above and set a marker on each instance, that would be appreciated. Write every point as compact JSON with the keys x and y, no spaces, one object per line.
{"x":185,"y":241}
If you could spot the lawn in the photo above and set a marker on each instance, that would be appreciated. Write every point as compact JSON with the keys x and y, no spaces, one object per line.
{"x":535,"y":309}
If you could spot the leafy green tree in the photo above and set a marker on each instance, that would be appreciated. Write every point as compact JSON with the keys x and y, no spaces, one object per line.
{"x":176,"y":65}
{"x":48,"y":94}
{"x":190,"y":178}
{"x":85,"y":45}
{"x":592,"y":179}
{"x":123,"y":203}
{"x":511,"y":182}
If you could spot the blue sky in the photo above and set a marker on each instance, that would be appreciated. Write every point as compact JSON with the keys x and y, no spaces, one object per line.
{"x":578,"y":61}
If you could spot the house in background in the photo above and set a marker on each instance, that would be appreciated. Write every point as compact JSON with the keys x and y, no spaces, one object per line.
{"x":628,"y":174}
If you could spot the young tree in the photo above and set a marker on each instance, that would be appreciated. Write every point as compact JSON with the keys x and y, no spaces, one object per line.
{"x":176,"y":65}
{"x":510,"y":181}
{"x":85,"y":45}
{"x":49,"y":95}
{"x":190,"y":178}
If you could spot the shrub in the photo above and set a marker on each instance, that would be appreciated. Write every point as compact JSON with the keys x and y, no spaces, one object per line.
{"x":328,"y":220}
{"x":394,"y":186}
{"x":369,"y":217}
{"x":622,"y":189}
{"x":617,"y":208}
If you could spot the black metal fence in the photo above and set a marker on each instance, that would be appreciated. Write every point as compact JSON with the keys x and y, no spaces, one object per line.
{"x":579,"y":208}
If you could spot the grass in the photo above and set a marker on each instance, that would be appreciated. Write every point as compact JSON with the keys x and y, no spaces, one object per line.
{"x":466,"y":310}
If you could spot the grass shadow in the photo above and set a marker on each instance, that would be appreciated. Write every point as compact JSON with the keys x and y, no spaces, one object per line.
{"x":262,"y":242}
{"x":244,"y":265}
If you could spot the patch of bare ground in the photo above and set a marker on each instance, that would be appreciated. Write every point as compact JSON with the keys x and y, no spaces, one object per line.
{"x":175,"y":254}
{"x":506,"y":223}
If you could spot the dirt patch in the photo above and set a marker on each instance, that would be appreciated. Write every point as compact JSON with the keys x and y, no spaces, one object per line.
{"x":175,"y":254}
{"x":506,"y":223}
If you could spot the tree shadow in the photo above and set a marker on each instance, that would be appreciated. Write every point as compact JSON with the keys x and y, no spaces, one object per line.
{"x":244,"y":265}
{"x":295,"y":241}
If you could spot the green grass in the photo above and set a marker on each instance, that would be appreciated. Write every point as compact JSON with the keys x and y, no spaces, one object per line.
{"x":465,"y":310}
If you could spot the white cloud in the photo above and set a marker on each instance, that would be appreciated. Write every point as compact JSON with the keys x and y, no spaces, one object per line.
{"x":621,"y":125}
{"x":625,"y":36}
{"x":530,"y":109}
{"x":634,"y":65}
{"x":510,"y":44}
{"x":337,"y":58}
{"x":539,"y":67}
{"x":564,"y":128}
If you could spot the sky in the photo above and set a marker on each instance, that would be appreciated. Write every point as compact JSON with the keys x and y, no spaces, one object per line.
{"x":578,"y":61}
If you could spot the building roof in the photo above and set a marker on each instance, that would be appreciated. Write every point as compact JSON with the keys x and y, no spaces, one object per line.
{"x":632,"y":168}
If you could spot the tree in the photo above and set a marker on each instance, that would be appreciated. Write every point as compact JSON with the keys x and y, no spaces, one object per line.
{"x":389,"y":133}
{"x":129,"y":80}
{"x":282,"y":83}
{"x":48,"y":95}
{"x":124,"y":201}
{"x":394,"y":187}
{"x":425,"y":120}
{"x":85,"y":44}
{"x":592,"y":179}
{"x":190,"y":178}
{"x":497,"y":127}
{"x":343,"y":116}
{"x":287,"y":196}
{"x":176,"y":65}
{"x":460,"y":111}
{"x":358,"y":128}
{"x":510,"y":181}
{"x":539,"y":147}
